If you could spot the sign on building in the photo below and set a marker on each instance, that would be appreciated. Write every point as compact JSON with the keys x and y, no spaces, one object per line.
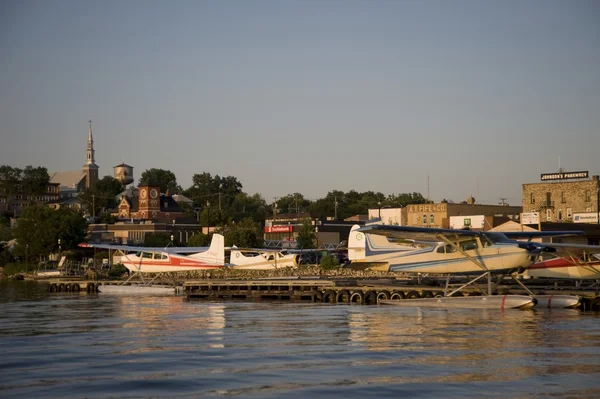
{"x":467,"y":222}
{"x":565,"y":175}
{"x":588,"y":217}
{"x":530,"y":218}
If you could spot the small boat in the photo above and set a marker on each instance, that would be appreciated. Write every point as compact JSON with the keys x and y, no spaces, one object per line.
{"x":500,"y":302}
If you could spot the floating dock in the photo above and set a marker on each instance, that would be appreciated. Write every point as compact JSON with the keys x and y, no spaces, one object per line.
{"x":364,"y":291}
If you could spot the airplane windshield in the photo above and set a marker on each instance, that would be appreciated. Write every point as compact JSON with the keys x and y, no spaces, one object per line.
{"x":494,"y":238}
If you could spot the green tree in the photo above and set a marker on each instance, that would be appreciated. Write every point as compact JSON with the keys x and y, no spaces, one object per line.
{"x":244,"y":234}
{"x":34,"y":180}
{"x":199,"y":240}
{"x":102,"y":195}
{"x":39,"y":228}
{"x":10,"y":179}
{"x":164,"y":178}
{"x":293,"y":204}
{"x":158,"y":240}
{"x":218,"y":191}
{"x":246,"y":206}
{"x":306,"y":236}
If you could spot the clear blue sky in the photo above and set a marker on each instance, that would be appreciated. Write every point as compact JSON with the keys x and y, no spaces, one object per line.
{"x":307,"y":96}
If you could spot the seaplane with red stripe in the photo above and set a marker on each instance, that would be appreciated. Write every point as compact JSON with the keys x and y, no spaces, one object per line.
{"x":453,"y":252}
{"x":170,"y":259}
{"x":581,"y":266}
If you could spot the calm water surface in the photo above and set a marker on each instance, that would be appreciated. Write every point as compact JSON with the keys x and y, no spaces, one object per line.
{"x":102,"y":346}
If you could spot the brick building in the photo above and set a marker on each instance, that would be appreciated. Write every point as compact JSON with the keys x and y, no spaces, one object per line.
{"x":438,"y":215}
{"x":149,"y":204}
{"x":15,"y":203}
{"x":558,"y":201}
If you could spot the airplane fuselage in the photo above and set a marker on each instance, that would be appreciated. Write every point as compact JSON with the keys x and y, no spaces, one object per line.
{"x":444,"y":259}
{"x":564,"y":268}
{"x":164,"y":263}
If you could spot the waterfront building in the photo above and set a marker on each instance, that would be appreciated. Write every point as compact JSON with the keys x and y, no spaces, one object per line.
{"x":438,"y":215}
{"x":563,"y":197}
{"x":16,"y":202}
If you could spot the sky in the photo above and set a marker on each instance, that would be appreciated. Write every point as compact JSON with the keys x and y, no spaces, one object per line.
{"x":446,"y":98}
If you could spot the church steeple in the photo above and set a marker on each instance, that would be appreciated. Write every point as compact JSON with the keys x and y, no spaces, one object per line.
{"x":90,"y":160}
{"x":90,"y":169}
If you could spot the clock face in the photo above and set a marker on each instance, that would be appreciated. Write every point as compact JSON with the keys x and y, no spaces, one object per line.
{"x":143,"y":193}
{"x":153,"y":193}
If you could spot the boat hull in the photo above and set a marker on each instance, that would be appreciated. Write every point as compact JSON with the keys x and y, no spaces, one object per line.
{"x":500,"y":302}
{"x":136,"y":290}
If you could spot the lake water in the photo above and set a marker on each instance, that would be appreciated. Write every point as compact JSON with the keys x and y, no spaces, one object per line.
{"x":102,"y":346}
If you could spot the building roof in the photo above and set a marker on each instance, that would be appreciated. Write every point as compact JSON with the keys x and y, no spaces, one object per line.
{"x":69,"y":179}
{"x":122,"y":164}
{"x":182,"y":198}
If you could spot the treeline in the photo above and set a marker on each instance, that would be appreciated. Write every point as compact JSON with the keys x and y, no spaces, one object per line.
{"x":220,"y":200}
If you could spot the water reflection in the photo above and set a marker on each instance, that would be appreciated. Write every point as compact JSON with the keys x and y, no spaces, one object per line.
{"x":134,"y":346}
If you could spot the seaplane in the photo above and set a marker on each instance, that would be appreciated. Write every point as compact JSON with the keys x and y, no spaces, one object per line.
{"x":584,"y":266}
{"x":158,"y":261}
{"x":260,"y":259}
{"x":454,"y":252}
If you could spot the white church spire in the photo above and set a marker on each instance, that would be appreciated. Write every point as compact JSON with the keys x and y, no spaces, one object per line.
{"x":90,"y":160}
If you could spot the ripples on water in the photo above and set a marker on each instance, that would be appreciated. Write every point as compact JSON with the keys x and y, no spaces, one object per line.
{"x":80,"y":345}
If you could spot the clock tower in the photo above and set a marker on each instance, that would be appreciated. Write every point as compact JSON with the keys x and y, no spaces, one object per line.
{"x":149,"y":200}
{"x":90,"y":169}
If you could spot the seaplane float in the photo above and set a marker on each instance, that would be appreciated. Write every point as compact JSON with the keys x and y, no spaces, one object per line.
{"x":451,"y":253}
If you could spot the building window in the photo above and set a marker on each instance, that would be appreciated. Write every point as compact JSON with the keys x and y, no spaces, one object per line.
{"x":548,"y":199}
{"x":559,"y":214}
{"x":569,"y":214}
{"x":424,"y":219}
{"x":532,"y":198}
{"x":549,"y":215}
{"x":563,"y":198}
{"x":432,"y":219}
{"x":588,"y":196}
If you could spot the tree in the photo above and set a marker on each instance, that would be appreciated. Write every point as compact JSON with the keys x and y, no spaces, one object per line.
{"x":39,"y":229}
{"x":306,"y":236}
{"x":164,"y":178}
{"x":245,"y":234}
{"x":157,"y":240}
{"x":293,"y":204}
{"x":34,"y":180}
{"x":102,"y":194}
{"x":10,"y":179}
{"x":246,"y":206}
{"x":199,"y":240}
{"x":218,"y":191}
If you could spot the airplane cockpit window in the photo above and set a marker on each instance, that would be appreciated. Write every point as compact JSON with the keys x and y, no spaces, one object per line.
{"x":485,"y":242}
{"x":271,"y":257}
{"x":138,"y":254}
{"x":147,"y":255}
{"x":448,"y":249}
{"x":468,"y":245}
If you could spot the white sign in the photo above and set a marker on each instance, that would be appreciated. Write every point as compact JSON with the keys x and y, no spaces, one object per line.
{"x":471,"y":222}
{"x":588,"y":217}
{"x":530,"y":218}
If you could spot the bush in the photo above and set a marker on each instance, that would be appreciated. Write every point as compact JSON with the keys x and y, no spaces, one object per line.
{"x":17,"y":268}
{"x":329,"y":262}
{"x":117,"y":270}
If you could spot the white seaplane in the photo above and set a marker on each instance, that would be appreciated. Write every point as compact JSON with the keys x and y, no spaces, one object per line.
{"x":158,"y":261}
{"x":453,"y":252}
{"x":260,"y":259}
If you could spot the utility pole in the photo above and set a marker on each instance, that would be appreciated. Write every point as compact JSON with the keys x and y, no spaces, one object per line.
{"x":335,"y":212}
{"x":503,"y":201}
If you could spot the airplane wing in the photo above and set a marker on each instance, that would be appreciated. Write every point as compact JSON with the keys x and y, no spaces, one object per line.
{"x":540,"y":234}
{"x":419,"y":234}
{"x":131,"y":248}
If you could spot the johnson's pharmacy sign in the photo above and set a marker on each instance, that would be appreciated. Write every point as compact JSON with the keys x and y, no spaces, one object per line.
{"x":565,"y":175}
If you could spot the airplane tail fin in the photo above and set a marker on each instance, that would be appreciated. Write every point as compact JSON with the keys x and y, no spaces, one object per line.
{"x":356,"y":244}
{"x":215,"y":253}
